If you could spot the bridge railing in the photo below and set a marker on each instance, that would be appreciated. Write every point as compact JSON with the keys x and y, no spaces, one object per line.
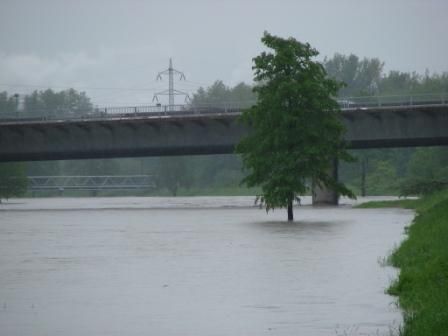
{"x":394,"y":100}
{"x":162,"y":111}
{"x":221,"y":107}
{"x":129,"y":111}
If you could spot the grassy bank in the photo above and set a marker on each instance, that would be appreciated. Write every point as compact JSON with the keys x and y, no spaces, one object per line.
{"x":401,"y":203}
{"x":422,"y":286}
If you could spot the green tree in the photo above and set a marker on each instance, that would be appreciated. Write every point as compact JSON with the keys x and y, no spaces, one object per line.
{"x":13,"y":181}
{"x":49,"y":103}
{"x":90,"y":167}
{"x":396,"y":83}
{"x":243,"y":94}
{"x":429,"y":164}
{"x":219,"y":171}
{"x":45,"y":168}
{"x":361,"y":77}
{"x":218,"y":93}
{"x":383,"y":179}
{"x":8,"y":105}
{"x":296,"y":129}
{"x":173,"y":173}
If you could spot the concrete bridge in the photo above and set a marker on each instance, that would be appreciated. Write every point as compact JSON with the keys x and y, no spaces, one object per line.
{"x":192,"y":130}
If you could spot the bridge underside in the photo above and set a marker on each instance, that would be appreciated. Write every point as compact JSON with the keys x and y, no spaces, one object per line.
{"x":397,"y":127}
{"x":118,"y":153}
{"x":204,"y":134}
{"x":398,"y":143}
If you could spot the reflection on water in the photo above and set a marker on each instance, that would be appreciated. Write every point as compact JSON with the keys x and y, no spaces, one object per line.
{"x":186,"y":270}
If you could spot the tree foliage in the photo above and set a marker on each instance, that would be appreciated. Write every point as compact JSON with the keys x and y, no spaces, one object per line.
{"x":218,"y":93}
{"x":382,"y":178}
{"x":365,"y":77}
{"x":404,"y":83}
{"x":360,"y":77}
{"x":8,"y":104}
{"x":13,"y":182}
{"x":63,"y":103}
{"x":173,"y":173}
{"x":296,"y":130}
{"x":410,"y":166}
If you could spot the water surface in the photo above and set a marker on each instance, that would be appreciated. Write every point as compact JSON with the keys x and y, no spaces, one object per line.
{"x":142,"y":266}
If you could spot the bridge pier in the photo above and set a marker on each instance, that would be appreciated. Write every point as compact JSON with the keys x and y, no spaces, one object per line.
{"x":325,"y":196}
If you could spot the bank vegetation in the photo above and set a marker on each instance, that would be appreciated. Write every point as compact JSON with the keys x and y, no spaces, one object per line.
{"x":422,"y":285}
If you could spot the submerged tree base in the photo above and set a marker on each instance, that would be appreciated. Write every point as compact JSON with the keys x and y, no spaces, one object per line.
{"x":290,"y":212}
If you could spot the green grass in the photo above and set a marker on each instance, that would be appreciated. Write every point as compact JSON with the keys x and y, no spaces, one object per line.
{"x":402,"y":203}
{"x":422,"y":286}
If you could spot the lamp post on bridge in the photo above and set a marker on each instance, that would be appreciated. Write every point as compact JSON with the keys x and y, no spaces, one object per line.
{"x":16,"y":96}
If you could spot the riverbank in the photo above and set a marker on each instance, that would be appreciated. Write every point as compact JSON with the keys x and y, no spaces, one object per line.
{"x":422,"y":285}
{"x":154,"y":202}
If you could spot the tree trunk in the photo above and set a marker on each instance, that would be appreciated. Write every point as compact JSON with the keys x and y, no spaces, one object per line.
{"x":290,"y":211}
{"x":363,"y":176}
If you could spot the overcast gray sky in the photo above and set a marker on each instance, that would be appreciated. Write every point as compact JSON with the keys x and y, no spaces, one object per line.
{"x":93,"y":44}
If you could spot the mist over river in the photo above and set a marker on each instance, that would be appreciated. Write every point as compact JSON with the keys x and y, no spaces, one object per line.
{"x":198,"y":266}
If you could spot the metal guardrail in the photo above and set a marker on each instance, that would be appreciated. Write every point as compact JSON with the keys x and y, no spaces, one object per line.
{"x":117,"y":182}
{"x":161,"y":111}
{"x":157,"y":111}
{"x":394,"y":100}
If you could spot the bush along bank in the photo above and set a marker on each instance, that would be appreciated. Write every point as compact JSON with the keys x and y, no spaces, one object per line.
{"x":422,"y":285}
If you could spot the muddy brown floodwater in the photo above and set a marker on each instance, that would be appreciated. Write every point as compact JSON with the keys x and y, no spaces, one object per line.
{"x":194,"y":266}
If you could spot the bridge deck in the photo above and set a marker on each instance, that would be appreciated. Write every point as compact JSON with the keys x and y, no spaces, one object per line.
{"x":202,"y":131}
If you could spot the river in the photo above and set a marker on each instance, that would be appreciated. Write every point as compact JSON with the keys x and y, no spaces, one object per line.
{"x":198,"y":266}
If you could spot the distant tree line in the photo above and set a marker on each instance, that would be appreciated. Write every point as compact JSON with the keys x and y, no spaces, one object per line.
{"x":13,"y":181}
{"x":365,"y":77}
{"x":377,"y":171}
{"x":389,"y":171}
{"x":219,"y":93}
{"x":46,"y":103}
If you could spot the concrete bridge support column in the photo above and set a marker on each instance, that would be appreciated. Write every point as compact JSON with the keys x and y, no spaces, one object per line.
{"x":326,"y":196}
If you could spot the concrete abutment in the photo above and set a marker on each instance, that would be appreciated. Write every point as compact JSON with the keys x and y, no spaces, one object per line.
{"x":323,"y":195}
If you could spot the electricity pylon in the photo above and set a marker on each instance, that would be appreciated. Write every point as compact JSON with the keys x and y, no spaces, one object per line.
{"x":171,"y":92}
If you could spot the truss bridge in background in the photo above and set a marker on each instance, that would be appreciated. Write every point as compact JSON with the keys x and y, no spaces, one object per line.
{"x":91,"y":183}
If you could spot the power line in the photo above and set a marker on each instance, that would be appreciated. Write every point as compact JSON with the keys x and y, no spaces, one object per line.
{"x":198,"y":83}
{"x":171,"y":92}
{"x":75,"y":87}
{"x":190,"y":85}
{"x":49,"y":86}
